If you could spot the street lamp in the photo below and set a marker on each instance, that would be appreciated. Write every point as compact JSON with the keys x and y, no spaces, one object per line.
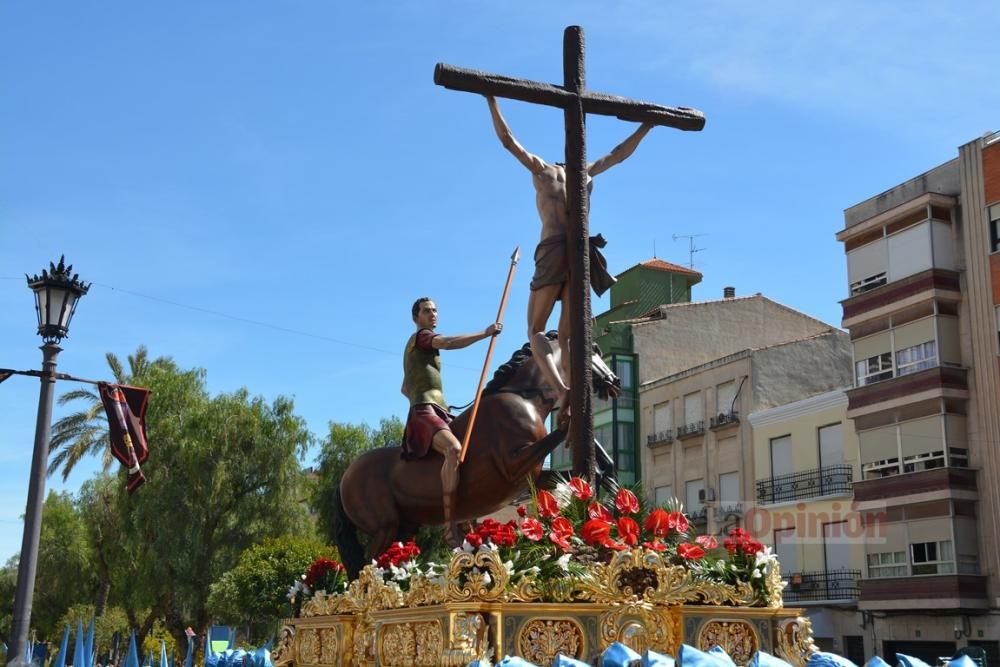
{"x":56,"y":294}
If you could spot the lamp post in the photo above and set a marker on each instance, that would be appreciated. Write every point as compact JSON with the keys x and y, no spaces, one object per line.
{"x":56,"y":294}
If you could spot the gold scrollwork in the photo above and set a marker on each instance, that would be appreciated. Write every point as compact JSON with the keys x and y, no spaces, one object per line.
{"x":284,"y":652}
{"x":414,"y":644}
{"x":737,"y":638}
{"x":795,"y":641}
{"x":478,"y":575}
{"x":329,"y":647}
{"x":468,"y":640}
{"x":541,"y":639}
{"x":309,"y":647}
{"x":639,"y":626}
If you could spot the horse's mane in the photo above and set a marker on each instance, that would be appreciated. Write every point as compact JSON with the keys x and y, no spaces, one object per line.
{"x":507,"y":370}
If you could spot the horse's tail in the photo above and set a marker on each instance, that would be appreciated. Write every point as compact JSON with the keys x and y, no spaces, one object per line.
{"x":346,"y":534}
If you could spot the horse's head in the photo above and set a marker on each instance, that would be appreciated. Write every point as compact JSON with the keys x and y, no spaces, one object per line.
{"x":604,"y":381}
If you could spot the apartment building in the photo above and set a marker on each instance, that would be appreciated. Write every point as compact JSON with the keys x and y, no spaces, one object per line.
{"x":922,"y":311}
{"x":699,"y":444}
{"x":806,"y":459}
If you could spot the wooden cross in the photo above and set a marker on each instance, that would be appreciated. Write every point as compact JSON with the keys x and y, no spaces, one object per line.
{"x":575,"y":101}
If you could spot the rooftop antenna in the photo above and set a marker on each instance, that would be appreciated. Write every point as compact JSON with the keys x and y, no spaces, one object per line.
{"x":691,"y":247}
{"x":654,"y":248}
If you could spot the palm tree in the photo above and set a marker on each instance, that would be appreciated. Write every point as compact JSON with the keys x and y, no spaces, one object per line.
{"x":86,"y":432}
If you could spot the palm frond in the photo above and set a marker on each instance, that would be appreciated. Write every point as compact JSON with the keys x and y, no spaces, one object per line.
{"x":79,"y":395}
{"x":116,"y":366}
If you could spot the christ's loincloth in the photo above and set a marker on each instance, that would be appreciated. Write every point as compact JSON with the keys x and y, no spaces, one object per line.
{"x":552,"y":267}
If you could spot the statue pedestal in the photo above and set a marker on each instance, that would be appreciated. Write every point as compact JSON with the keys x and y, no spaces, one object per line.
{"x":475,"y":611}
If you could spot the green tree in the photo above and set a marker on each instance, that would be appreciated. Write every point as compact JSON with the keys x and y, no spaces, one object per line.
{"x":254,"y":594}
{"x":8,"y":584}
{"x":343,"y":444}
{"x":223,"y":473}
{"x":65,"y":574}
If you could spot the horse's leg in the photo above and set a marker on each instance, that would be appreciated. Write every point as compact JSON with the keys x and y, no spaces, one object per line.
{"x":521,"y":462}
{"x":382,"y":539}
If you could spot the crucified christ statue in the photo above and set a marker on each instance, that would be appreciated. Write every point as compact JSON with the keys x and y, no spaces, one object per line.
{"x":550,"y":282}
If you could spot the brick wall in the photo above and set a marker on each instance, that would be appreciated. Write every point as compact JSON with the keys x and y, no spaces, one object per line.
{"x":991,"y":172}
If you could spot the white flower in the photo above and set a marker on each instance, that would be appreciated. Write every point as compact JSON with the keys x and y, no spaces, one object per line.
{"x":509,"y":566}
{"x":466,"y":547}
{"x":487,"y":579}
{"x":563,"y":562}
{"x":304,"y":576}
{"x":563,"y":494}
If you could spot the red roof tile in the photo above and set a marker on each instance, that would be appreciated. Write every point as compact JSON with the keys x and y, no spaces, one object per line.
{"x":667,"y":266}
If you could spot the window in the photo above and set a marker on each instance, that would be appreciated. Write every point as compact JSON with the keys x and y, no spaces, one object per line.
{"x":693,"y":408}
{"x":626,"y":447}
{"x":887,"y":564}
{"x":994,"y":213}
{"x":874,"y":369}
{"x":865,"y":284}
{"x":725,"y":394}
{"x":997,"y":309}
{"x":932,"y":557}
{"x":692,"y":504}
{"x":831,"y":445}
{"x":729,"y":493}
{"x":916,"y":358}
{"x":623,"y":369}
{"x":663,"y":422}
{"x":786,"y":546}
{"x":662,"y":495}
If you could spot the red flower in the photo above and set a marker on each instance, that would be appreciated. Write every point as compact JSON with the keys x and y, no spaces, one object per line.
{"x":596,"y":531}
{"x":474,"y":540}
{"x":655,"y":545}
{"x":614,"y":544}
{"x":677,"y":521}
{"x":562,"y":530}
{"x":656,"y":523}
{"x":397,"y":554}
{"x":319,"y":569}
{"x":626,"y":502}
{"x":580,"y":488}
{"x":690,"y":551}
{"x":596,"y":510}
{"x":707,"y":541}
{"x":628,"y":530}
{"x":532,"y":529}
{"x":547,"y":506}
{"x":505,"y":536}
{"x":522,"y":510}
{"x":740,"y":541}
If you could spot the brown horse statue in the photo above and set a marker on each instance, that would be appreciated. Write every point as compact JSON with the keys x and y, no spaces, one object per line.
{"x":389,"y":498}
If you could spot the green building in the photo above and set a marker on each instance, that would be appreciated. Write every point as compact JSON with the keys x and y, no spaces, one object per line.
{"x":639,"y":290}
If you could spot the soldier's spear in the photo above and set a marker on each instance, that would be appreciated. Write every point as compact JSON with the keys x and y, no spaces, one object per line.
{"x":489,"y":353}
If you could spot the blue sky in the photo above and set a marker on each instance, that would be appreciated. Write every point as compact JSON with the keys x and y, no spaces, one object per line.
{"x":261,"y":189}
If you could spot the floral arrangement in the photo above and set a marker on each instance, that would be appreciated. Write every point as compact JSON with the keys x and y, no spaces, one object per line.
{"x":568,"y":531}
{"x":324,"y":575}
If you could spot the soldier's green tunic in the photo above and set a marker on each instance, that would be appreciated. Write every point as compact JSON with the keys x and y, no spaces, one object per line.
{"x":422,"y":371}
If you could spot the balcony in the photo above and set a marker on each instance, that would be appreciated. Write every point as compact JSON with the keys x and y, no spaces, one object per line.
{"x":660,"y":438}
{"x":823,"y":585}
{"x":831,"y":480}
{"x":724,"y":419}
{"x":879,"y":296}
{"x":907,"y":484}
{"x":936,"y":382}
{"x":942,"y":591}
{"x":690,"y":430}
{"x":698,"y":516}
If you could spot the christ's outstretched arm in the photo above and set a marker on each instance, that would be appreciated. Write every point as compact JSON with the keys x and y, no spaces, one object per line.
{"x":534,"y":163}
{"x":620,"y":153}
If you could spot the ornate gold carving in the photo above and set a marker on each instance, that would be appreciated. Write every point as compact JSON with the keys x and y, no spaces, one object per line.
{"x":468,"y":640}
{"x":284,"y":653}
{"x":329,"y":647}
{"x":794,"y":641}
{"x":775,"y":586}
{"x":423,"y":591}
{"x":639,"y":626}
{"x":737,"y":638}
{"x":478,"y":575}
{"x":674,"y":584}
{"x":541,"y":640}
{"x":416,"y":644}
{"x":363,"y":646}
{"x":309,"y":647}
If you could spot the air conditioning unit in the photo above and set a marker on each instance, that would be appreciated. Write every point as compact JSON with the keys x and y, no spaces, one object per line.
{"x":706,"y":495}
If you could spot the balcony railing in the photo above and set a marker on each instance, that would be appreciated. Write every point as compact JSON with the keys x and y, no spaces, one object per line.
{"x":725,"y":419}
{"x":824,"y":585}
{"x":689,"y":430}
{"x":660,"y":437}
{"x":826,"y":481}
{"x":699,"y":515}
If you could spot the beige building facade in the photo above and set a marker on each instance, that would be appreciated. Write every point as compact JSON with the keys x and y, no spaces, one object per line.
{"x":805,"y":454}
{"x":699,"y":443}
